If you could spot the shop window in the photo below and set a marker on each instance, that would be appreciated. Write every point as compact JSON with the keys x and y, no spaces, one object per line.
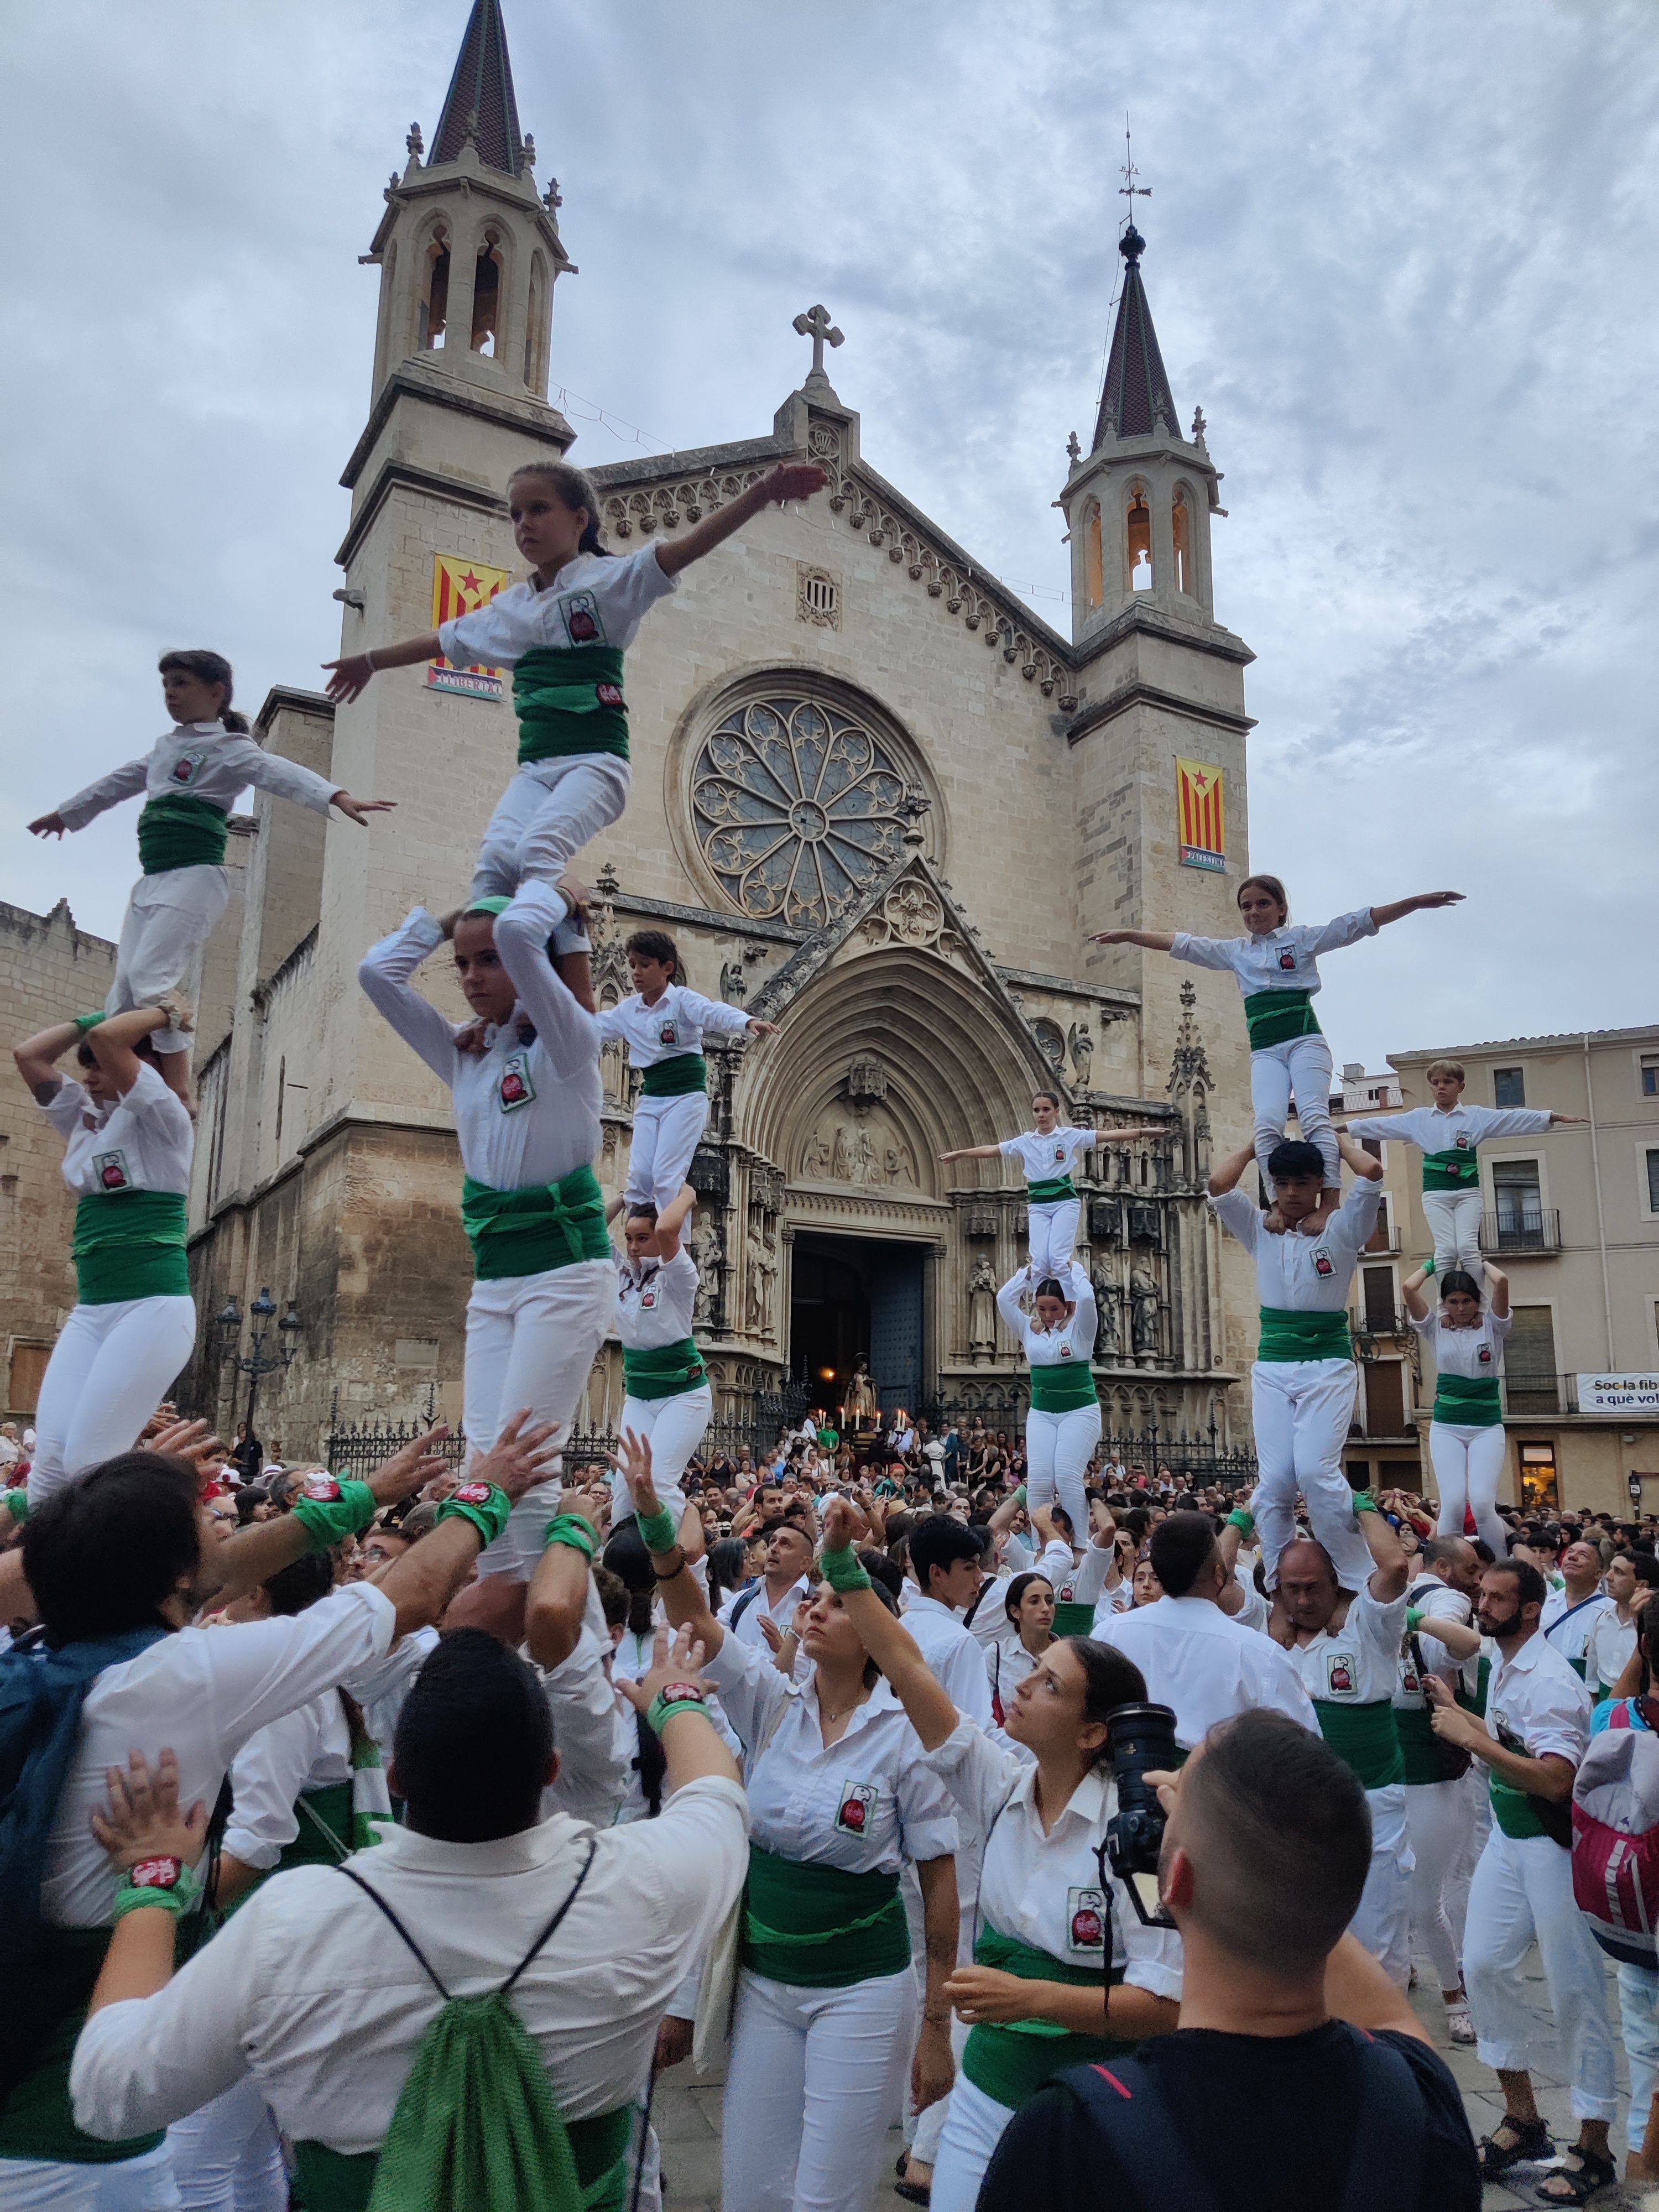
{"x":1541,"y":1484}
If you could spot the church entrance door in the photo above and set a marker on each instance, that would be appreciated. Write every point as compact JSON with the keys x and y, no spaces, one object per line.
{"x":853,"y":1299}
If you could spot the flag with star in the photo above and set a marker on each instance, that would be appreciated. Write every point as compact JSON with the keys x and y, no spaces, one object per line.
{"x":1203,"y":827}
{"x":460,"y":587}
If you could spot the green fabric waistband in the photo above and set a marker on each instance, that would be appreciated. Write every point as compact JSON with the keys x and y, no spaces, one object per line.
{"x":672,"y":1079}
{"x":1467,"y":1402}
{"x":665,"y":1371}
{"x":1286,"y":1336}
{"x":1272,"y":1017}
{"x":1420,"y":1746}
{"x":37,"y":2120}
{"x":343,"y":2181}
{"x":1050,"y":1192}
{"x":1011,"y":2060}
{"x":330,"y":1809}
{"x":1071,"y":1619}
{"x":819,"y":1927}
{"x":1456,"y":1169}
{"x":1477,"y":1703}
{"x":570,"y":701}
{"x":530,"y":1232}
{"x":1365,"y":1737}
{"x":177,"y":832}
{"x":130,"y":1244}
{"x":1512,"y":1810}
{"x":1063,"y":1387}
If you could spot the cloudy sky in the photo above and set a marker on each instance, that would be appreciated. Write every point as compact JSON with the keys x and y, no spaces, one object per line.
{"x":1403,"y":255}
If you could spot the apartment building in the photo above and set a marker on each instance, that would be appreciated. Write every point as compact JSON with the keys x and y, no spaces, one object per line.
{"x":1573,"y":1217}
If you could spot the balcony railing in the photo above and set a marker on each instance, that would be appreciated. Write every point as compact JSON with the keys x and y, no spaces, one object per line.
{"x":1512,"y":1232}
{"x":1526,"y":1394}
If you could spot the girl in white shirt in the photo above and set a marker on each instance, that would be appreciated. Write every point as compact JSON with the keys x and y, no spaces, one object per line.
{"x":668,"y":1397}
{"x":1048,"y":1153}
{"x":1029,"y":1607}
{"x":563,"y":632}
{"x":191,"y":779}
{"x":128,"y":1142}
{"x":1063,"y":1427}
{"x":1277,"y":965}
{"x":1467,"y":1443}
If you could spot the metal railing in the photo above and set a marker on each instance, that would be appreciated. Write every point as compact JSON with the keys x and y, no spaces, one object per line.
{"x":1512,"y":1232}
{"x":1539,"y":1393}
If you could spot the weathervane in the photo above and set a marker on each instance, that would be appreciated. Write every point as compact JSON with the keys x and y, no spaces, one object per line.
{"x":1129,"y":189}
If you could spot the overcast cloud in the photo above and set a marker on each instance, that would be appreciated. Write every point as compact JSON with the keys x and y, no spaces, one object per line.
{"x":1403,"y":255}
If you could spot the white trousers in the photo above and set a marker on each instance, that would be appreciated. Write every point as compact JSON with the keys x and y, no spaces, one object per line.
{"x":675,"y":1427}
{"x":1383,"y":1923}
{"x":110,"y":1369}
{"x":973,"y":2128}
{"x":816,"y":2079}
{"x":169,"y":918}
{"x":1058,"y":1448}
{"x":1638,"y":1997}
{"x":1437,"y":1822}
{"x":1522,"y":1890}
{"x":1477,"y":1814}
{"x":667,"y":1132}
{"x":1468,"y":1466}
{"x":1052,"y":1229}
{"x":1454,"y":1219}
{"x":530,"y":1342}
{"x":49,"y":2184}
{"x":227,"y":2156}
{"x":1300,"y":1067}
{"x":1301,"y":1410}
{"x":545,"y":815}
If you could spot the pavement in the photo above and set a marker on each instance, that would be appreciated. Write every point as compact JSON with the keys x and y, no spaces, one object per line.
{"x":686,"y":2112}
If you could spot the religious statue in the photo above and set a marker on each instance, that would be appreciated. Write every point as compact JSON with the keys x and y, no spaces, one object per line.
{"x":1143,"y":1310}
{"x":864,"y":1167}
{"x":706,"y":1251}
{"x":734,"y":984}
{"x":861,"y":1406}
{"x":982,"y":1310}
{"x":1105,"y":1291}
{"x":1199,"y":426}
{"x":898,"y":1164}
{"x":1073,"y":449}
{"x":1083,"y":1051}
{"x":841,"y":1159}
{"x":815,"y":1163}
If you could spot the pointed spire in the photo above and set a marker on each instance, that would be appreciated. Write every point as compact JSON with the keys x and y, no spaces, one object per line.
{"x":1137,"y":393}
{"x":479,"y":104}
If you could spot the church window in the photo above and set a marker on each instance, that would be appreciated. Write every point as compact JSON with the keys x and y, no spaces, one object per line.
{"x":1094,"y":558}
{"x":817,"y":597}
{"x":535,"y":351}
{"x":1181,"y":519}
{"x":435,"y":292}
{"x":1141,"y":543}
{"x":486,"y":296}
{"x":797,"y":808}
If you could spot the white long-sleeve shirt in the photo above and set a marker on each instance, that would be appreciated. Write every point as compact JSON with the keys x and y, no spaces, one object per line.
{"x":142,"y":1142}
{"x":205,"y":760}
{"x":1045,"y":1158}
{"x":525,"y":1113}
{"x":1296,"y":1272}
{"x":1286,"y":959}
{"x":1475,"y":1353}
{"x":1207,"y":1665}
{"x":596,"y":599}
{"x":1433,"y":1130}
{"x":952,"y":1651}
{"x":1072,"y":1343}
{"x":675,"y":1026}
{"x":309,"y":1749}
{"x":655,"y":1301}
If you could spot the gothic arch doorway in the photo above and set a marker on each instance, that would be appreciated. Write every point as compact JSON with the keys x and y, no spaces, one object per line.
{"x":852,"y":1300}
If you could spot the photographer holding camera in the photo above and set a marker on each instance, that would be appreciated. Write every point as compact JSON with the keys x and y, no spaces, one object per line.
{"x":1066,"y":1970}
{"x":1298,"y":2074}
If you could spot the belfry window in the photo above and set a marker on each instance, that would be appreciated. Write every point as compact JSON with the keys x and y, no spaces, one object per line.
{"x":486,"y":296}
{"x":1181,"y":518}
{"x":435,"y":293}
{"x":1141,"y":543}
{"x":1094,"y":564}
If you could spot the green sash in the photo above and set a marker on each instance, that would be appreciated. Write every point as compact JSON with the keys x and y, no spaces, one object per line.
{"x":130,"y":1244}
{"x":819,"y":1927}
{"x":1467,"y":1402}
{"x":1286,"y":1336}
{"x":1418,"y":1745}
{"x":1273,"y":1017}
{"x":672,"y":1079}
{"x":1365,"y":1737}
{"x":529,"y":1231}
{"x":341,"y":2181}
{"x":666,"y":1371}
{"x":570,"y":701}
{"x":1512,"y":1810}
{"x":1071,"y":1619}
{"x":37,"y":2120}
{"x":1050,"y":1192}
{"x":178,"y":832}
{"x":1011,"y":2060}
{"x":1456,"y":1169}
{"x":1063,"y":1387}
{"x":1477,"y":1703}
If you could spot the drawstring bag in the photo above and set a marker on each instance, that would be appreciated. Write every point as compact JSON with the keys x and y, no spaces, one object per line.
{"x":1615,"y":1834}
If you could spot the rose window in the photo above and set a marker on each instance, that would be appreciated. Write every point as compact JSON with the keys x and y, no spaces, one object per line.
{"x":797,"y":810}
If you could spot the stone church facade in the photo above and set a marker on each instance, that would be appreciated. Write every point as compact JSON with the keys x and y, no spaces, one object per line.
{"x":875,"y":799}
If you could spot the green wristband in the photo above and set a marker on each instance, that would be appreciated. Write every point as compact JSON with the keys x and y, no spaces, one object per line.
{"x":481,"y":1504}
{"x":157,"y":1882}
{"x":659,"y":1529}
{"x":1364,"y":1502}
{"x":1428,"y":1265}
{"x":1243,"y":1521}
{"x":85,"y":1022}
{"x":662,"y":1709}
{"x":1414,"y":1617}
{"x":330,"y":1508}
{"x":844,"y":1571}
{"x":17,"y":1502}
{"x":1019,"y":1495}
{"x":570,"y":1528}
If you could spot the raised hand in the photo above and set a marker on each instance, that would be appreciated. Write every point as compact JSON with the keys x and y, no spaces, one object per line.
{"x":415,"y":1462}
{"x":350,"y":677}
{"x":359,"y":809}
{"x":679,"y":1659}
{"x":842,"y":1528}
{"x":143,"y":1820}
{"x":632,"y":1461}
{"x":48,"y":826}
{"x":590,"y":1502}
{"x":521,"y":1457}
{"x":790,"y":480}
{"x":190,"y":1440}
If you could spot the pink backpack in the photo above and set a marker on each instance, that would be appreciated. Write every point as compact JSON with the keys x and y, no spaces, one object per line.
{"x":1615,"y":1835}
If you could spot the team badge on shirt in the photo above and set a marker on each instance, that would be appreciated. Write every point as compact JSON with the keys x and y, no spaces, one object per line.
{"x":581,"y":610}
{"x":647,"y":1297}
{"x":1463,"y":1142}
{"x":1339,"y":1674}
{"x":515,"y":1088}
{"x":667,"y":1033}
{"x":1323,"y":1263}
{"x":111,"y":1169}
{"x":1086,"y":1921}
{"x":1287,"y":959}
{"x":184,"y":769}
{"x":857,"y":1809}
{"x":1484,"y":1355}
{"x":1060,"y":1154}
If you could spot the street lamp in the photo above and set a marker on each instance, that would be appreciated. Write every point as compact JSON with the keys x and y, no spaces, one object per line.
{"x":256,"y":1361}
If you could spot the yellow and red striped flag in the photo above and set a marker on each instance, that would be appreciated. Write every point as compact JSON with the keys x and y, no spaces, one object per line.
{"x":461,"y":587}
{"x":1203,"y":825}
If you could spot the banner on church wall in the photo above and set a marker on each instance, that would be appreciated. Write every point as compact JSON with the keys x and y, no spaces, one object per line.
{"x":461,"y":587}
{"x":1203,"y":825}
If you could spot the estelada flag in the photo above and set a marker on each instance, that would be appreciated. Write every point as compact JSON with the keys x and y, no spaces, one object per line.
{"x":1203,"y":825}
{"x":461,"y":587}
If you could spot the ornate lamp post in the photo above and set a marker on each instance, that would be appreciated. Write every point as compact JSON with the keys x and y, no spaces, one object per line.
{"x":256,"y":1361}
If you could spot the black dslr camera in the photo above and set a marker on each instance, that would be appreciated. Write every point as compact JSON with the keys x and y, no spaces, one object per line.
{"x":1143,"y":1741}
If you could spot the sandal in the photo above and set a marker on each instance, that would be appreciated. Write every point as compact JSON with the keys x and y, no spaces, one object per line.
{"x":1592,"y":2171}
{"x":1529,"y":2140}
{"x":1459,"y":2026}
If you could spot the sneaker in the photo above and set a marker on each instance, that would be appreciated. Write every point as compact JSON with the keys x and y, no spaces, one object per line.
{"x":1459,"y":2025}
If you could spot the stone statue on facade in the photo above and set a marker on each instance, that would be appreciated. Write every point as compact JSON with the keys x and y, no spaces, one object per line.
{"x":1143,"y":1311}
{"x":982,"y":1311}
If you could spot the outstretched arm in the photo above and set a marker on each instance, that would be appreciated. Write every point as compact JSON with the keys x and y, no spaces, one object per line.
{"x":350,"y":675}
{"x":971,"y":1152}
{"x":788,"y":480}
{"x":681,"y":1592}
{"x":932,"y":1711}
{"x":1382,"y":915}
{"x":1154,"y":940}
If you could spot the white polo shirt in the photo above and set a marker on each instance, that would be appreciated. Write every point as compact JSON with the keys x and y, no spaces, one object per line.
{"x":674,"y":1026}
{"x":1296,"y":1272}
{"x":1286,"y":959}
{"x":655,"y":1301}
{"x":1071,"y":1344}
{"x":1206,"y":1665}
{"x":1608,"y":1646}
{"x":953,"y":1652}
{"x":596,"y":599}
{"x":1359,"y":1663}
{"x":145,"y":1141}
{"x":205,"y":760}
{"x":1046,"y":1158}
{"x":1537,"y":1696}
{"x":1432,"y":1130}
{"x":1567,"y":1622}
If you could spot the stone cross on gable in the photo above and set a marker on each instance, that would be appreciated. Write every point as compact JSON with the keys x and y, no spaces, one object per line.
{"x":816,"y":324}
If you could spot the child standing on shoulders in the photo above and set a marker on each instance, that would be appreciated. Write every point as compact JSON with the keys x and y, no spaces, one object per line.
{"x":191,"y":778}
{"x":1278,"y":970}
{"x":1048,"y":1153}
{"x":563,"y":632}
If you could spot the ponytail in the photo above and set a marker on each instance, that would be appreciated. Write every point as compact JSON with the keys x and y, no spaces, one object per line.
{"x":212,"y":668}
